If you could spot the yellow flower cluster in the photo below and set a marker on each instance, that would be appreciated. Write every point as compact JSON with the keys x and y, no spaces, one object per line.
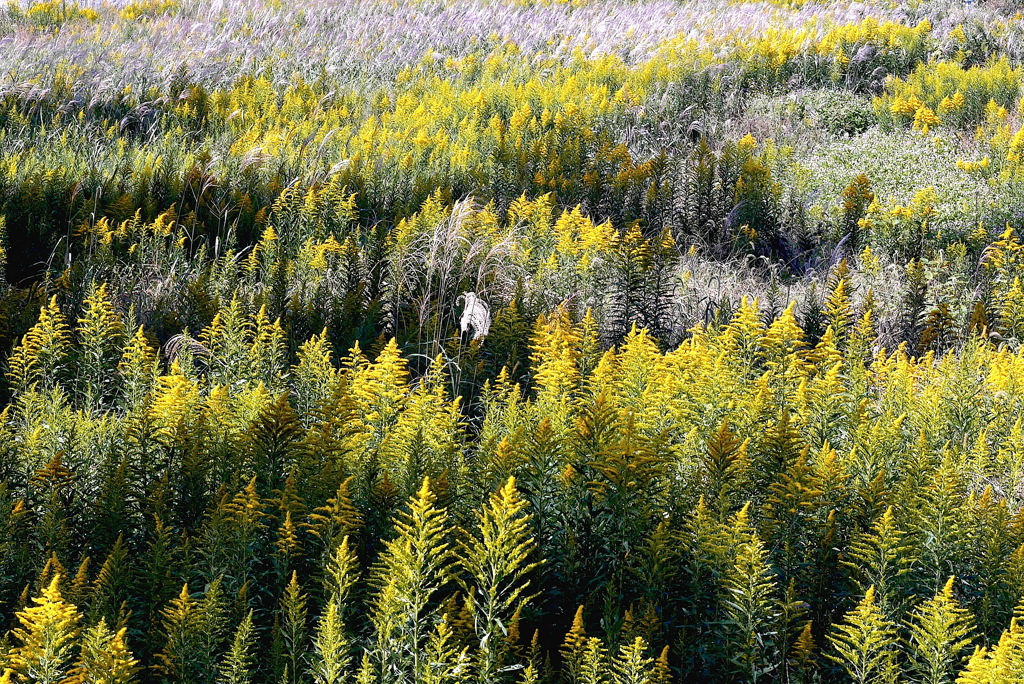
{"x":949,"y":93}
{"x":924,"y":119}
{"x":971,"y":166}
{"x":883,"y":35}
{"x":906,"y":107}
{"x":55,"y":12}
{"x":902,"y":224}
{"x":134,"y":11}
{"x":921,"y":207}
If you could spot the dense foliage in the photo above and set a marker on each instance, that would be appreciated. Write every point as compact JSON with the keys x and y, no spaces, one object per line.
{"x":741,"y":396}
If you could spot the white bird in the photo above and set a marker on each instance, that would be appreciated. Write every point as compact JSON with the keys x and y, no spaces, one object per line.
{"x":475,"y":315}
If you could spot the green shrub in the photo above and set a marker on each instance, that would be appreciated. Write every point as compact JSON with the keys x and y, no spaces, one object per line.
{"x":839,"y":112}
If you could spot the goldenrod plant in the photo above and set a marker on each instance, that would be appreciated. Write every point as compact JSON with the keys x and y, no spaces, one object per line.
{"x":744,"y":406}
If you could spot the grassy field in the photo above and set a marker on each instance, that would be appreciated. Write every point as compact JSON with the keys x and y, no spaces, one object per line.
{"x":534,"y":341}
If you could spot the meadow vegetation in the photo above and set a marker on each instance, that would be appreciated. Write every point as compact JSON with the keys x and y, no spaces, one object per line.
{"x":743,"y":400}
